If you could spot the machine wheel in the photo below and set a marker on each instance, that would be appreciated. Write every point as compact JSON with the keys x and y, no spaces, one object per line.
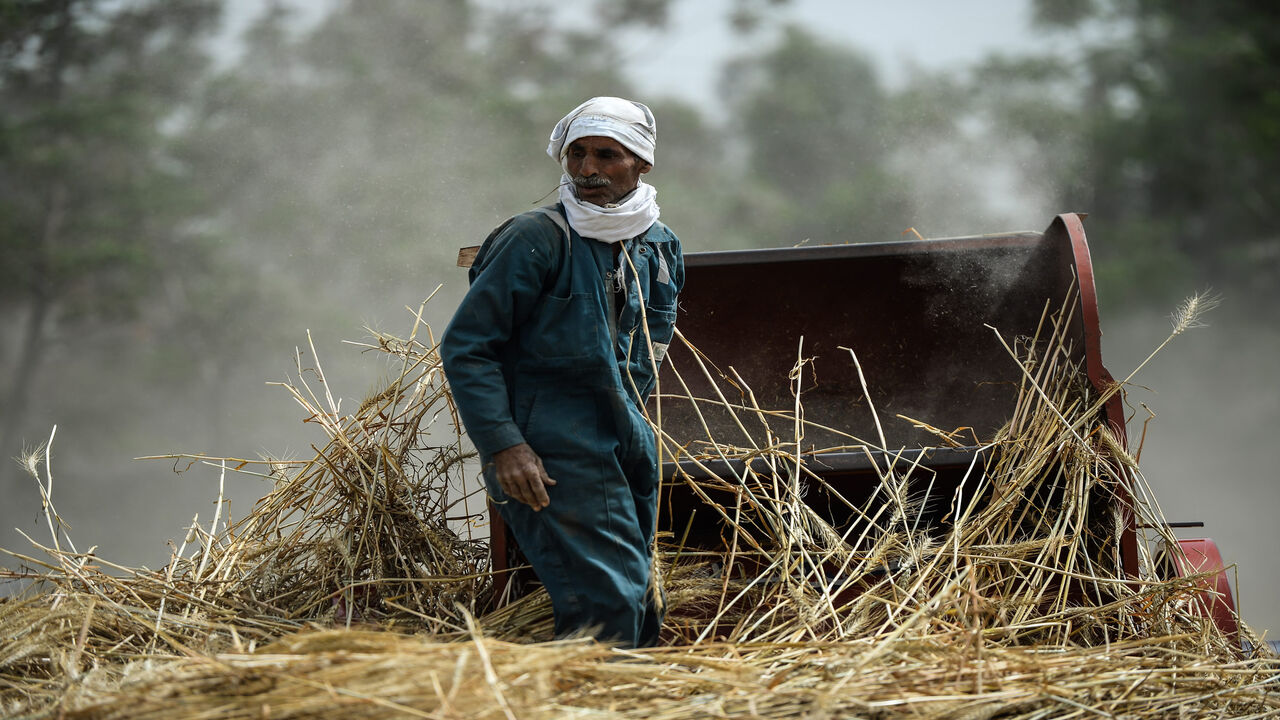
{"x":1198,"y":556}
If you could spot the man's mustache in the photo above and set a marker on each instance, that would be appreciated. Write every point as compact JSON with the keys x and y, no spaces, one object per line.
{"x":594,"y":181}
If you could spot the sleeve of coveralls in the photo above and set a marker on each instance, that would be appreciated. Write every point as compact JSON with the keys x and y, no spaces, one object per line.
{"x":506,"y":283}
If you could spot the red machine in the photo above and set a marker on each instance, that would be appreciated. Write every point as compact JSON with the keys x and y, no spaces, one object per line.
{"x":919,"y":315}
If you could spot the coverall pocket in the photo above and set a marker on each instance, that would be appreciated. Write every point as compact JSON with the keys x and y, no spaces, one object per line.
{"x":662,"y":323}
{"x":660,"y":316}
{"x":567,"y":329}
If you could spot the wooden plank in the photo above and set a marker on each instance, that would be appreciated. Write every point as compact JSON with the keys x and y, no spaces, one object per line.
{"x":467,"y":256}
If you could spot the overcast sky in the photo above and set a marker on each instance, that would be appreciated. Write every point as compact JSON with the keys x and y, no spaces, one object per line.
{"x":928,"y":34}
{"x":684,"y":59}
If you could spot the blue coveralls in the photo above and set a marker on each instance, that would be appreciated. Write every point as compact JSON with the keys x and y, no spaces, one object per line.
{"x":541,"y":350}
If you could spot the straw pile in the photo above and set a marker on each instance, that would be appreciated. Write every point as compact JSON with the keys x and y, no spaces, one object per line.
{"x":358,"y":587}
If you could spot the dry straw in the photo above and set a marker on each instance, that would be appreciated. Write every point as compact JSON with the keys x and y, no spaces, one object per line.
{"x":359,"y":588}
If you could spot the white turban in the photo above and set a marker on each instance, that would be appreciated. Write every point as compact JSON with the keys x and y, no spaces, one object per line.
{"x":628,"y":122}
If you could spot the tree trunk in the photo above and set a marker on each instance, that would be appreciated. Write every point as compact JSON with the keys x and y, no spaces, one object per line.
{"x":33,"y":341}
{"x":42,"y":289}
{"x":32,"y":349}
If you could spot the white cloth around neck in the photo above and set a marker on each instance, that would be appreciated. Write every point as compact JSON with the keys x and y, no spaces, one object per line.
{"x":628,"y":219}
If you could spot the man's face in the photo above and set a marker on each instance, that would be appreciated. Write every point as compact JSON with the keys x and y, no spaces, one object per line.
{"x":603,"y":171}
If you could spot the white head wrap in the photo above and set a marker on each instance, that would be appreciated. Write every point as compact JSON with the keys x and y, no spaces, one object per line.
{"x":632,"y":125}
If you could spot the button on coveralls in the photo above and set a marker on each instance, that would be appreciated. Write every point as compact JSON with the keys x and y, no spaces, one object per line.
{"x":540,"y":351}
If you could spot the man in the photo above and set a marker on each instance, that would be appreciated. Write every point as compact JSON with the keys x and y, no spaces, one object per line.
{"x":551,"y":356}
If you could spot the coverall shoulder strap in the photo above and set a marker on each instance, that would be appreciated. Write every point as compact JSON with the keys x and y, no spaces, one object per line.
{"x":474,"y":257}
{"x":558,"y":218}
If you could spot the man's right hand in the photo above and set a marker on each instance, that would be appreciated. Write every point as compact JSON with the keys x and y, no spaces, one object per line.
{"x":520,"y":473}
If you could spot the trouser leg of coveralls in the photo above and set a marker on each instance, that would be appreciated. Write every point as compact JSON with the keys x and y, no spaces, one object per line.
{"x":642,"y":468}
{"x":590,"y":546}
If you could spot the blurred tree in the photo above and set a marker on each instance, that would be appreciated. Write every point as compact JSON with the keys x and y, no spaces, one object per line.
{"x":361,"y":154}
{"x":91,"y":204}
{"x":696,"y":178}
{"x":743,"y":15}
{"x":814,"y":121}
{"x":1165,"y":125}
{"x":170,"y":219}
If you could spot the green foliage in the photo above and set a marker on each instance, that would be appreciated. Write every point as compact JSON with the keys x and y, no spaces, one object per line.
{"x":89,"y":198}
{"x":1168,"y":131}
{"x":653,"y":13}
{"x":95,"y":210}
{"x":814,"y":120}
{"x":1062,"y":13}
{"x":381,"y":142}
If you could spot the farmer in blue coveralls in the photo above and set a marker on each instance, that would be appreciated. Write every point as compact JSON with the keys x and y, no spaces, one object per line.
{"x":551,"y":356}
